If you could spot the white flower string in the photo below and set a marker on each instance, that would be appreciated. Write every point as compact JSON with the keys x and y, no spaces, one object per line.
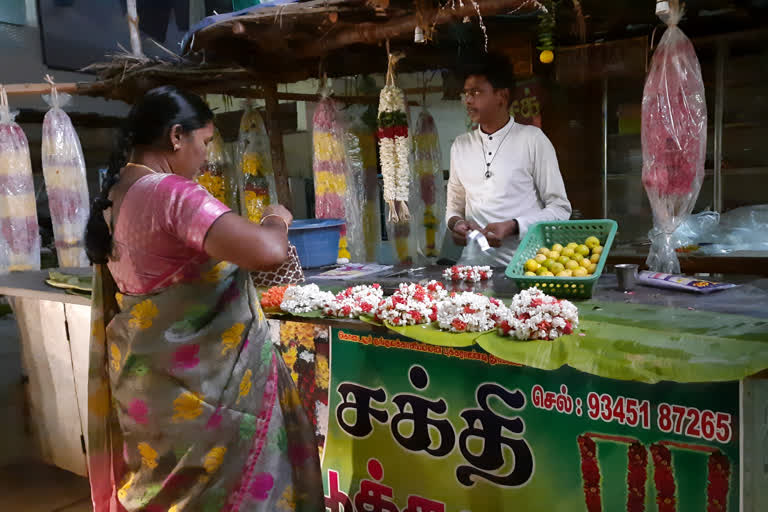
{"x":304,"y":299}
{"x":394,"y":146}
{"x":356,"y":301}
{"x":534,"y":315}
{"x":468,"y":274}
{"x":412,"y":304}
{"x":469,"y":312}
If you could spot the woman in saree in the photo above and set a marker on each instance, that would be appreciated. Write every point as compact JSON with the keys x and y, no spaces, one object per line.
{"x":190,"y":408}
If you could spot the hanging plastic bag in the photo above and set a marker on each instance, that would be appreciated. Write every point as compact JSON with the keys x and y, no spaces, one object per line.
{"x":329,"y":168}
{"x":674,"y":139}
{"x":212,"y":175}
{"x":255,"y":160}
{"x":65,"y":182}
{"x":428,"y":179}
{"x":19,"y":232}
{"x":361,"y":158}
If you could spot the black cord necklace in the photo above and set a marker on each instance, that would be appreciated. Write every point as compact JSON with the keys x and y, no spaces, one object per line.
{"x":488,"y":173}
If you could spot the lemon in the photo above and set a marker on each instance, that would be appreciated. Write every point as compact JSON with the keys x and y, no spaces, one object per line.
{"x":531,"y":265}
{"x":580,"y":272}
{"x":597,"y":250}
{"x":546,"y":57}
{"x":548,"y":263}
{"x":540,"y":258}
{"x":554,"y":255}
{"x":547,"y":274}
{"x":583,"y":250}
{"x":592,"y":268}
{"x":556,"y":268}
{"x":572,"y":245}
{"x":594,"y":258}
{"x":565,"y":273}
{"x":568,"y":252}
{"x":572,"y":265}
{"x":544,"y":251}
{"x":592,"y":242}
{"x":557,"y":248}
{"x":564,"y":260}
{"x":541,"y":271}
{"x":530,"y":274}
{"x":585,"y":262}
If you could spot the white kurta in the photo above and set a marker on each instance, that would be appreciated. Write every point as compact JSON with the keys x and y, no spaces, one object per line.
{"x":525,"y":183}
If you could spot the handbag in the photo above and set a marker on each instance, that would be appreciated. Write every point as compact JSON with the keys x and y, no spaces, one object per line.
{"x":289,"y":272}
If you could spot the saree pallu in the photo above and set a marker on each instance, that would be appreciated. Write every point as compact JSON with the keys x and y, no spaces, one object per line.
{"x":190,"y":407}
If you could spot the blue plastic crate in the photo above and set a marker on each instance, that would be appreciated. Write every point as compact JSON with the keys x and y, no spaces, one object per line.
{"x":316,"y":241}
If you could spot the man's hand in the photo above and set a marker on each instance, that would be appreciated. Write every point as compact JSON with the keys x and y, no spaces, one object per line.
{"x":461,"y":229}
{"x":497,"y":232}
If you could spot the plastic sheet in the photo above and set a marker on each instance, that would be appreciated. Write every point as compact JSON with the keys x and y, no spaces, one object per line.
{"x":739,"y":230}
{"x":19,"y":232}
{"x":362,"y":199}
{"x":674,"y":139}
{"x":254,"y":158}
{"x":428,"y":180}
{"x":65,"y":182}
{"x":216,"y":174}
{"x":329,"y":168}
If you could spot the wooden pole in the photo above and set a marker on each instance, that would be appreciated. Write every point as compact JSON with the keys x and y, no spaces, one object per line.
{"x":276,"y":145}
{"x":373,"y":33}
{"x":39,"y":89}
{"x":133,"y":29}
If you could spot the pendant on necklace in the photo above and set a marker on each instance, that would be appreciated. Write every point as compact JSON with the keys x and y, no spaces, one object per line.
{"x":488,"y":174}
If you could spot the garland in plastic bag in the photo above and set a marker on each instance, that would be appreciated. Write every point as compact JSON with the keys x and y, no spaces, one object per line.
{"x":426,"y":151}
{"x":330,"y":169}
{"x":19,"y":232}
{"x":255,"y":160}
{"x":65,"y":182}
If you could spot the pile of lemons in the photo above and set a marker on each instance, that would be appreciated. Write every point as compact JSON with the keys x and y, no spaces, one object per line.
{"x":573,"y":260}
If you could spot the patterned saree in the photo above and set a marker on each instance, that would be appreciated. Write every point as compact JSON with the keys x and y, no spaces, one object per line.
{"x":190,"y":406}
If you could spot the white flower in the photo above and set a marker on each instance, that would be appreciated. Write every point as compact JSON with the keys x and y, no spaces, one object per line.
{"x":536,"y":315}
{"x":468,"y":312}
{"x":303,"y":299}
{"x":468,"y":274}
{"x":307,"y":356}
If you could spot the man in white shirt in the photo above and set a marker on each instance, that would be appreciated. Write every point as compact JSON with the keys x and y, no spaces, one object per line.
{"x":504,"y":176}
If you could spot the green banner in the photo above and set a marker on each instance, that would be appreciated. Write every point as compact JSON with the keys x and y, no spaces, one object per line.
{"x":422,"y":428}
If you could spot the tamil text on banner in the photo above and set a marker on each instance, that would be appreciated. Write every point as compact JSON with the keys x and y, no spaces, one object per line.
{"x":422,"y":428}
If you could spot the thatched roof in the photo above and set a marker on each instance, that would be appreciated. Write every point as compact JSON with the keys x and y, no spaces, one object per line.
{"x":296,"y":40}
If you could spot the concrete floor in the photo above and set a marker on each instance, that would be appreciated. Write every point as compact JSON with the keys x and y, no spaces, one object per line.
{"x":26,"y":484}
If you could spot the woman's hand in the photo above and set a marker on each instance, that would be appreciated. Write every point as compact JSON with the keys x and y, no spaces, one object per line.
{"x":279,"y":210}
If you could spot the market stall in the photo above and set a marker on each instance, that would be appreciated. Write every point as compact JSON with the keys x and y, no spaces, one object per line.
{"x":643,"y":399}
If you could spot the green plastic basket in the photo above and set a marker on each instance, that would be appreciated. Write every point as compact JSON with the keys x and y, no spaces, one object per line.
{"x":546,"y":234}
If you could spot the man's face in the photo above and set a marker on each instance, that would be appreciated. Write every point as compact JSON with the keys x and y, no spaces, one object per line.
{"x":482,"y":101}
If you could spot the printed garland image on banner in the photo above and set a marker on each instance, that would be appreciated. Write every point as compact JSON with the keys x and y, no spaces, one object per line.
{"x":430,"y":428}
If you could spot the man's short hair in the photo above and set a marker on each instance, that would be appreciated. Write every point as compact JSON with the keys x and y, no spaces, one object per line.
{"x":495,"y":69}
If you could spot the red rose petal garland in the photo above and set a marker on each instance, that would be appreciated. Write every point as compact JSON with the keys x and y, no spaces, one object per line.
{"x":664,"y":478}
{"x":719,"y":476}
{"x":590,"y":473}
{"x":637,"y":475}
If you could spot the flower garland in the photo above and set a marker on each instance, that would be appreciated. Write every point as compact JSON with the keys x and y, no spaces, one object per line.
{"x":211,"y":176}
{"x":356,"y":301}
{"x":468,"y":274}
{"x":426,"y":153}
{"x":329,"y":169}
{"x":255,"y":163}
{"x":303,"y":299}
{"x":637,"y":474}
{"x":412,"y":304}
{"x":468,"y":312}
{"x":273,"y":297}
{"x":719,"y":476}
{"x":663,"y":478}
{"x":590,"y":473}
{"x":394,"y":147}
{"x":534,"y":315}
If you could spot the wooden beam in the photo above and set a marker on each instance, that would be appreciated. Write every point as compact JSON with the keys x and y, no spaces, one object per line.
{"x":276,"y":145}
{"x":39,"y":89}
{"x":373,"y":33}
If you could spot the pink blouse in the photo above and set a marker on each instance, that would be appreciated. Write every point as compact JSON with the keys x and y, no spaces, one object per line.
{"x":159,"y":232}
